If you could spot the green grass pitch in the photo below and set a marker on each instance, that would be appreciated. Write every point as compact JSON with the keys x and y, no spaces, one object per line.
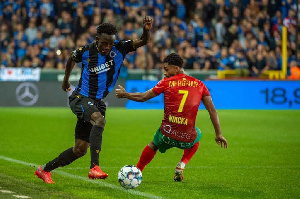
{"x":262,"y":159}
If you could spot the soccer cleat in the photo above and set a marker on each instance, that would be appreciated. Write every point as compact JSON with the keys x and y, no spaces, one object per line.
{"x":178,"y":177}
{"x":44,"y":175}
{"x":97,"y":173}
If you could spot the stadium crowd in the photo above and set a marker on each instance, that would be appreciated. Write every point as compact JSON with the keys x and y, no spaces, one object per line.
{"x":209,"y":34}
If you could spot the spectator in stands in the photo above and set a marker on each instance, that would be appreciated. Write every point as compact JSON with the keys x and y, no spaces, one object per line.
{"x":110,"y":18}
{"x":31,"y":31}
{"x":32,"y":13}
{"x":240,"y":64}
{"x":262,"y":18}
{"x":22,"y":50}
{"x":200,"y":29}
{"x":205,"y":61}
{"x":181,"y":10}
{"x":292,"y":36}
{"x":236,"y":18}
{"x":11,"y":57}
{"x":199,"y":8}
{"x":290,"y":20}
{"x":161,"y":35}
{"x":267,"y":32}
{"x":47,"y":9}
{"x":231,"y":35}
{"x":5,"y":37}
{"x":55,"y":38}
{"x":232,"y":56}
{"x":48,"y":31}
{"x":39,"y":40}
{"x":81,"y":26}
{"x":260,"y":66}
{"x":254,"y":8}
{"x":220,"y":31}
{"x":26,"y":63}
{"x":271,"y":61}
{"x":208,"y":12}
{"x":295,"y":71}
{"x":262,"y":39}
{"x":8,"y":12}
{"x":51,"y":60}
{"x":63,"y":5}
{"x":224,"y":62}
{"x":36,"y":62}
{"x":66,"y":26}
{"x":4,"y":60}
{"x":143,"y":59}
{"x":297,"y":4}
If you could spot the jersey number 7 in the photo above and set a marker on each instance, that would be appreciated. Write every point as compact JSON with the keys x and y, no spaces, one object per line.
{"x":183,"y":100}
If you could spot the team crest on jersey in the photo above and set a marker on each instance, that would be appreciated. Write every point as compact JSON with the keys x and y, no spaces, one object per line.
{"x":112,"y":54}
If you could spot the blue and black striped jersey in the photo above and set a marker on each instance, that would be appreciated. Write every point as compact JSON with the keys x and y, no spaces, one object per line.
{"x":100,"y":73}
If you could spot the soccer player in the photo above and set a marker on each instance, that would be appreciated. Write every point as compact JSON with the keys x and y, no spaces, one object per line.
{"x":182,"y":97}
{"x":101,"y":63}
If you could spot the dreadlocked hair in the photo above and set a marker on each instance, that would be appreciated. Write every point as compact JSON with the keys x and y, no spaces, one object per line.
{"x":174,"y":59}
{"x":107,"y":28}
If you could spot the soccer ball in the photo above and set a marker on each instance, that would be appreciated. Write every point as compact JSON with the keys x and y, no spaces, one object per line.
{"x":130,"y":177}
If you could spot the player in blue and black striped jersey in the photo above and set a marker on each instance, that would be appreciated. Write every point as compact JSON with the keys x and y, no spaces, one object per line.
{"x":101,"y":63}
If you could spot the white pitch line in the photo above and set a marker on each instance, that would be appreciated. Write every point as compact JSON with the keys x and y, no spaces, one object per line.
{"x":19,"y":196}
{"x":133,"y":192}
{"x":6,"y":191}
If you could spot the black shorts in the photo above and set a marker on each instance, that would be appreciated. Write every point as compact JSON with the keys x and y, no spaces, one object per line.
{"x":83,"y":107}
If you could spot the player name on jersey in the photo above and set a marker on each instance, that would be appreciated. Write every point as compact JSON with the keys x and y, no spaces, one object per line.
{"x":102,"y":67}
{"x":183,"y":82}
{"x":178,"y":120}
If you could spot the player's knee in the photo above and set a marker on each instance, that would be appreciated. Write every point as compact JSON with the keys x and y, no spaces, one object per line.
{"x":79,"y":152}
{"x":100,"y":121}
{"x":152,"y":146}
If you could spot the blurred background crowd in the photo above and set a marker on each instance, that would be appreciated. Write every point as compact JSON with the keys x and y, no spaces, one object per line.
{"x":208,"y":34}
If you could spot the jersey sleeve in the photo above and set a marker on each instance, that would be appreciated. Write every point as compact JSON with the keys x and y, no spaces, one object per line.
{"x":205,"y":91}
{"x":125,"y":47}
{"x":76,"y":55}
{"x":159,"y":88}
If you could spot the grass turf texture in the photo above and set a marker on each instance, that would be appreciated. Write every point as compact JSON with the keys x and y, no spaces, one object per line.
{"x":262,"y":160}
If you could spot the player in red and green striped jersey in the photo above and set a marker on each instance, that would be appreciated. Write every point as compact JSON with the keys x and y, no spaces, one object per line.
{"x":182,"y":97}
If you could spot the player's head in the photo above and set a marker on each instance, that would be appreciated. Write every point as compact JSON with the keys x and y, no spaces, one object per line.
{"x":173,"y":65}
{"x":105,"y":37}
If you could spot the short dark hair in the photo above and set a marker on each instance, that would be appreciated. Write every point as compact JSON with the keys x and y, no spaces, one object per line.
{"x":174,"y":59}
{"x":106,"y":28}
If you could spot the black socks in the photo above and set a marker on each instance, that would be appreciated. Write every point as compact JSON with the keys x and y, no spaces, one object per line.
{"x":95,"y":144}
{"x":65,"y":158}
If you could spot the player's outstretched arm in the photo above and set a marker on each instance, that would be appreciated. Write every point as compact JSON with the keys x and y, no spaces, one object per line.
{"x":69,"y":66}
{"x":207,"y":101}
{"x":147,"y":22}
{"x":138,"y":97}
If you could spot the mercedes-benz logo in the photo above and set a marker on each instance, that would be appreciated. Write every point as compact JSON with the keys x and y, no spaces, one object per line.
{"x":27,"y":94}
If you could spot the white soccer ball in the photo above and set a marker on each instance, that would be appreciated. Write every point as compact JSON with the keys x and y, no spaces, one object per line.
{"x":130,"y":177}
